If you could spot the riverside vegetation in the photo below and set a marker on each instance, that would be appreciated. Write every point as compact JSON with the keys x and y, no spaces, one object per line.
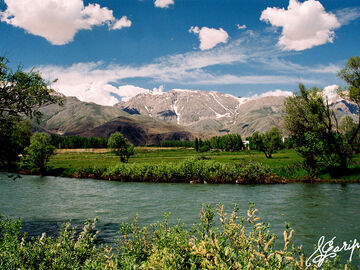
{"x":231,"y":245}
{"x":151,"y":164}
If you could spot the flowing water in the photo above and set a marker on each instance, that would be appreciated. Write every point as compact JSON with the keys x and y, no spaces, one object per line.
{"x":313,"y":210}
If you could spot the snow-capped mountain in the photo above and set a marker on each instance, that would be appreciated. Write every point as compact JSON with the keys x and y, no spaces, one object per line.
{"x":210,"y":111}
{"x":216,"y":112}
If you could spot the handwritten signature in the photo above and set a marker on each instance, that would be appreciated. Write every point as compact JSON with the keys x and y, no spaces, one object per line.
{"x":328,"y":250}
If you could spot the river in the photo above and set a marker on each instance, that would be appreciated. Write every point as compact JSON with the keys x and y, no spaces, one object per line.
{"x":313,"y":210}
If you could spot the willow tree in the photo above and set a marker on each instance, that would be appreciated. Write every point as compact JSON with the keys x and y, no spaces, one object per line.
{"x":320,"y":137}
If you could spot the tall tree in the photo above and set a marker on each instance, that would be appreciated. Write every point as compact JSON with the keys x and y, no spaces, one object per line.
{"x":319,"y":136}
{"x":21,"y":95}
{"x":38,"y":153}
{"x":268,"y":143}
{"x":120,"y":146}
{"x":351,"y":75}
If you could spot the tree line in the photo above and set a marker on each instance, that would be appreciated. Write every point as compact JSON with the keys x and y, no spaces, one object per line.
{"x":314,"y":130}
{"x":228,"y":142}
{"x":76,"y":142}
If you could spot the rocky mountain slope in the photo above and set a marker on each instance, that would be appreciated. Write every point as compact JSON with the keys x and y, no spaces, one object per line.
{"x":219,"y":113}
{"x":209,"y":111}
{"x":150,"y":118}
{"x":90,"y":119}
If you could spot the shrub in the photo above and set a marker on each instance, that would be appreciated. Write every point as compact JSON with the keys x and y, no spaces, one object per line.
{"x":38,"y":153}
{"x":189,"y":170}
{"x":236,"y":244}
{"x":253,"y":172}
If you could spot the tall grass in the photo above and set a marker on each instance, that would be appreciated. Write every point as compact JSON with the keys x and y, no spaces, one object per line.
{"x":239,"y":243}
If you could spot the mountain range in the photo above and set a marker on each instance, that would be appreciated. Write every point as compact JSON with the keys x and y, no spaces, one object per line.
{"x":149,"y":118}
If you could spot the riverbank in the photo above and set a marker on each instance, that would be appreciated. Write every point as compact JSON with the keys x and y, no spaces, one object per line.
{"x":185,"y":165}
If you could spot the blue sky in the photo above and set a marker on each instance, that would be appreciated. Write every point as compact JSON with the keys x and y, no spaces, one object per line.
{"x":105,"y":49}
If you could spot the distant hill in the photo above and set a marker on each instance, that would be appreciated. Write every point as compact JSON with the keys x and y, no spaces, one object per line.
{"x":219,"y":113}
{"x":141,"y":130}
{"x":90,"y":119}
{"x":175,"y":115}
{"x":212,"y":112}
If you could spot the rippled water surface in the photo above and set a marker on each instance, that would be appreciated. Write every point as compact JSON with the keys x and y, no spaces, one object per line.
{"x":313,"y":210}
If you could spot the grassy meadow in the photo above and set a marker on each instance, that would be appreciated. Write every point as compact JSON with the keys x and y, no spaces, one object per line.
{"x":284,"y":163}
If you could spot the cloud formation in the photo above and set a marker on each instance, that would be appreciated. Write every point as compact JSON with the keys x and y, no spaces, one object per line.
{"x":163,"y":3}
{"x":209,"y":37}
{"x":123,"y":22}
{"x":104,"y":83}
{"x":347,"y":15}
{"x":241,"y":26}
{"x":58,"y":21}
{"x":305,"y":25}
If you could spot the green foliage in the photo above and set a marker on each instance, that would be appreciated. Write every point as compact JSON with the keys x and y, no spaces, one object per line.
{"x":285,"y":163}
{"x":289,"y":143}
{"x":268,"y":143}
{"x":38,"y":153}
{"x":76,"y":142}
{"x":238,"y":243}
{"x":351,"y":75}
{"x":21,"y":94}
{"x":229,"y":142}
{"x":121,"y":146}
{"x":14,"y":137}
{"x":68,"y":251}
{"x":318,"y":137}
{"x":176,"y":143}
{"x":194,"y":170}
{"x":196,"y":144}
{"x":255,"y":172}
{"x":315,"y":128}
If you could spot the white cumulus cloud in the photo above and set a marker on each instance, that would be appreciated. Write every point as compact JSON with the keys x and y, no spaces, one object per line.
{"x":305,"y":24}
{"x":209,"y":37}
{"x":128,"y":91}
{"x":123,"y":22}
{"x":58,"y":20}
{"x":163,"y":3}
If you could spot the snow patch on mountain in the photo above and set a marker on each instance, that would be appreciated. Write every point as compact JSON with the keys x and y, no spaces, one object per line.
{"x":176,"y":110}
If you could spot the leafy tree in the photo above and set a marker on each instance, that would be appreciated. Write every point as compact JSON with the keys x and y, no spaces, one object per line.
{"x":196,"y":144}
{"x":21,"y":95}
{"x":38,"y":153}
{"x":351,"y":75}
{"x":121,"y":146}
{"x":268,"y":142}
{"x":318,"y":135}
{"x":14,"y":137}
{"x":228,"y":142}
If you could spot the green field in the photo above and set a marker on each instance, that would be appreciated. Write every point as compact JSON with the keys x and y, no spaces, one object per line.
{"x":285,"y":163}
